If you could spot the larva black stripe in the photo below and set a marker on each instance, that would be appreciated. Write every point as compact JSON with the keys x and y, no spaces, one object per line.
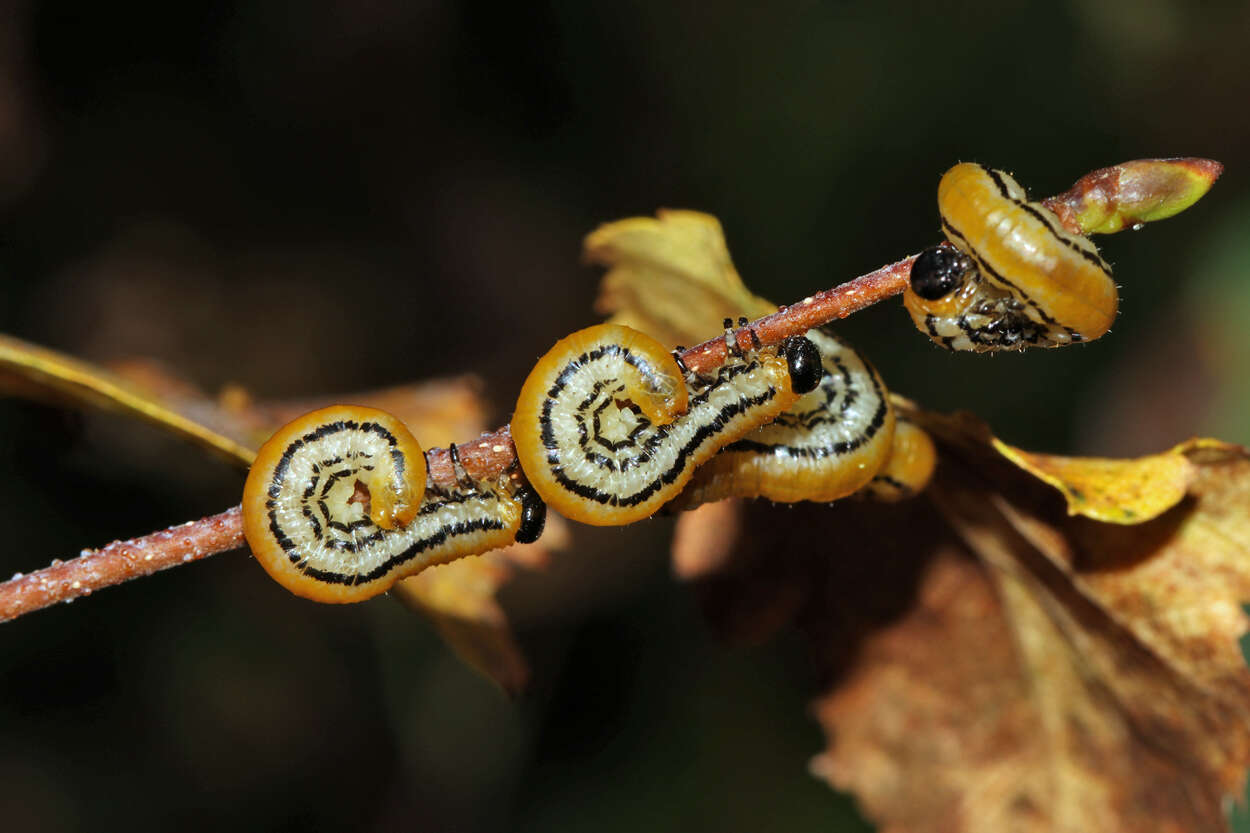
{"x":1065,"y":239}
{"x":417,"y":548}
{"x":442,"y":498}
{"x":1058,"y":234}
{"x":999,"y":182}
{"x":561,"y":382}
{"x":821,"y":416}
{"x":885,"y":478}
{"x":670,"y":475}
{"x":997,"y":276}
{"x":284,"y":463}
{"x":652,"y":443}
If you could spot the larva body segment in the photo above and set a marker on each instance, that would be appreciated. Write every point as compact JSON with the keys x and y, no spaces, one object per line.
{"x":827,"y":445}
{"x":607,"y":431}
{"x":1019,"y":279}
{"x":327,"y":508}
{"x":909,"y":466}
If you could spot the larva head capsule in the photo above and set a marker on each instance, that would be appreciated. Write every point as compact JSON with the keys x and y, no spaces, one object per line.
{"x":533,"y":515}
{"x":803,"y":359}
{"x":939,"y":271}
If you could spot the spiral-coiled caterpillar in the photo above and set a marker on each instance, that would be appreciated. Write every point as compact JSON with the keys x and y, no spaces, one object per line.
{"x":839,"y":439}
{"x":1011,"y":276}
{"x":827,"y":445}
{"x":608,"y":427}
{"x":337,"y":507}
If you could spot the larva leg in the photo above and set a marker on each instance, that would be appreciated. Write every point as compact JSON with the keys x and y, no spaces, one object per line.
{"x":327,"y":507}
{"x":907,"y":471}
{"x":827,"y":445}
{"x":608,"y":429}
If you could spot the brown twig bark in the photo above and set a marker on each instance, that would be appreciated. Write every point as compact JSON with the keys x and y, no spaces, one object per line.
{"x":493,"y":453}
{"x":121,"y":561}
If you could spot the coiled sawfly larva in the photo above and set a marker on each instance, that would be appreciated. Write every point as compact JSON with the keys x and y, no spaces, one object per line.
{"x":337,"y":507}
{"x":827,"y":445}
{"x":1011,"y":276}
{"x":608,"y":427}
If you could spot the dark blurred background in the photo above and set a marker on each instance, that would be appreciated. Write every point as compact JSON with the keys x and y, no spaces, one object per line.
{"x":304,"y":198}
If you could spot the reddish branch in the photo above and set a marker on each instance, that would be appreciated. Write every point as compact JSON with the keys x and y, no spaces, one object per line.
{"x":121,"y":561}
{"x":493,"y":453}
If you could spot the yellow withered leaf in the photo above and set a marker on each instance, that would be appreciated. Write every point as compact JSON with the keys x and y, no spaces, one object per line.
{"x":1119,"y":491}
{"x":670,"y":276}
{"x":30,"y":371}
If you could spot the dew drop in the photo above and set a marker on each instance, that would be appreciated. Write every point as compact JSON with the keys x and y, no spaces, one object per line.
{"x":56,"y":562}
{"x":1138,"y":226}
{"x":16,"y":576}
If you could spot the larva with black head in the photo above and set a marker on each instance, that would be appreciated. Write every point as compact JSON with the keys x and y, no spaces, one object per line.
{"x":827,"y":445}
{"x":608,"y":428}
{"x":1010,"y":276}
{"x":337,"y":507}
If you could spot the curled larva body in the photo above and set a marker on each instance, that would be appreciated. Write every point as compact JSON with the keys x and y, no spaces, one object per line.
{"x":607,"y":431}
{"x":1015,"y":278}
{"x":336,"y":507}
{"x":909,"y":466}
{"x":826,"y":446}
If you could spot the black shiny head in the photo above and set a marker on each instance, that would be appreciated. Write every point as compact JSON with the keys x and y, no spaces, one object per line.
{"x":938,"y":272}
{"x":803,"y":359}
{"x":533,"y":516}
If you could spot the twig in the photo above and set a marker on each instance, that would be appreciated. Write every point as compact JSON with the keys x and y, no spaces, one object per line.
{"x":1102,"y":201}
{"x":121,"y":561}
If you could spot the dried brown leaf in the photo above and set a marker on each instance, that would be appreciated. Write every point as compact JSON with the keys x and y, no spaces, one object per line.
{"x":997,"y":664}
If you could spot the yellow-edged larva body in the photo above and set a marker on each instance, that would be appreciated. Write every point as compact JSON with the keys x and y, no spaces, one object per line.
{"x":908,"y":468}
{"x":1015,"y":277}
{"x":827,"y":445}
{"x":336,"y":507}
{"x":607,"y":431}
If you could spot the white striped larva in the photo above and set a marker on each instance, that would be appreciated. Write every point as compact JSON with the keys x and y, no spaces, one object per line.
{"x":1011,"y":277}
{"x":826,"y":446}
{"x":337,"y":507}
{"x":608,"y":428}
